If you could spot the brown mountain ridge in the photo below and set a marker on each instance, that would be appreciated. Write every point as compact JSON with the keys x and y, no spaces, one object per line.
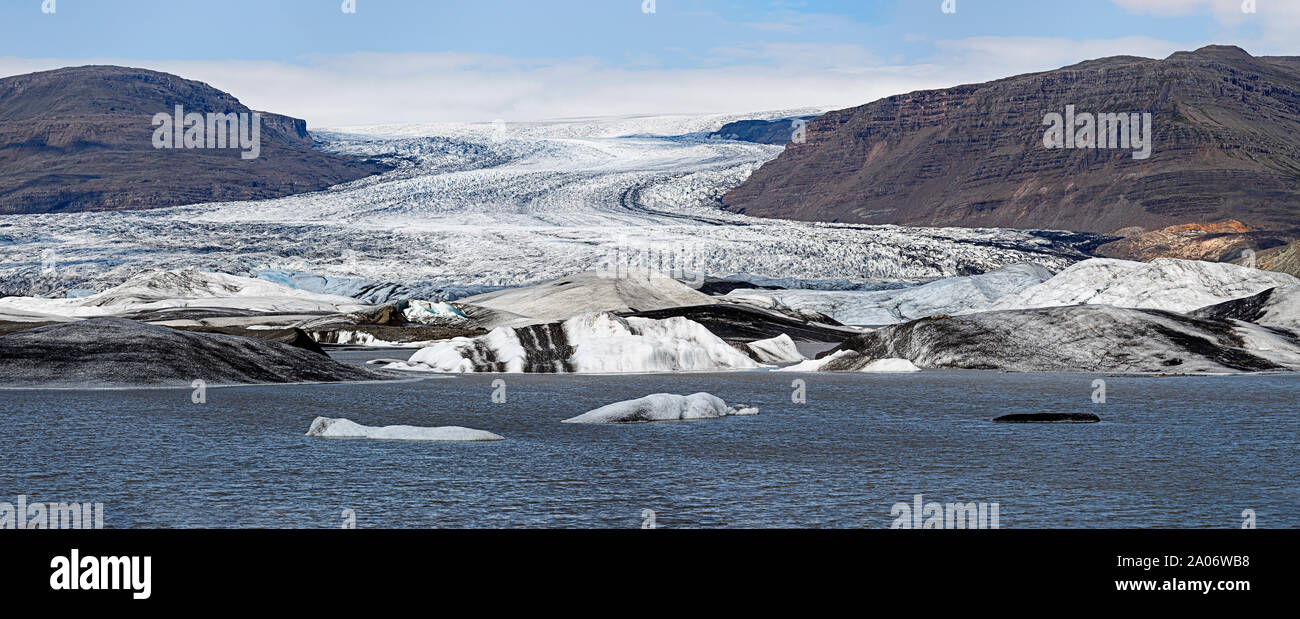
{"x":81,"y":139}
{"x":1226,"y":146}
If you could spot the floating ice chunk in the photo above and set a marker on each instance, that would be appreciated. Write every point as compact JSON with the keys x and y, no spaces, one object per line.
{"x":890,"y":366}
{"x":953,"y":295}
{"x":325,"y":427}
{"x":847,"y":361}
{"x":1165,"y":284}
{"x":663,"y":407}
{"x":780,"y":349}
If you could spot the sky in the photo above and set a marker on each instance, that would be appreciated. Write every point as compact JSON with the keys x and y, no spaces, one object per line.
{"x":410,"y":61}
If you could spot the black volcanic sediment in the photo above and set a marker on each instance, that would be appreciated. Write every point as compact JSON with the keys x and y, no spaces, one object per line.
{"x":113,"y":352}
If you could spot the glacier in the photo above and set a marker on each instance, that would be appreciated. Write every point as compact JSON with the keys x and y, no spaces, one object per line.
{"x":471,"y":208}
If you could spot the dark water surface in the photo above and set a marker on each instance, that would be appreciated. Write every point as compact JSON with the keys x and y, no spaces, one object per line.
{"x":1172,"y":452}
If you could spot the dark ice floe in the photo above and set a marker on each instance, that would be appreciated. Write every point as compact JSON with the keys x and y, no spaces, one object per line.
{"x":1083,"y":338}
{"x":113,"y":352}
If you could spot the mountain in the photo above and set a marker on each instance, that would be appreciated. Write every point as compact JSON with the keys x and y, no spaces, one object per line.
{"x":81,"y":139}
{"x":775,"y":132}
{"x":1223,"y":148}
{"x":1284,"y":259}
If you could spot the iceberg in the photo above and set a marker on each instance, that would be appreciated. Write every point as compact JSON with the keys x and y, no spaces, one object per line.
{"x":1164,"y":284}
{"x":325,"y":427}
{"x":852,"y":361}
{"x":663,"y":407}
{"x":587,"y":344}
{"x":1079,"y":338}
{"x":1275,"y":307}
{"x":780,"y":349}
{"x":890,"y":366}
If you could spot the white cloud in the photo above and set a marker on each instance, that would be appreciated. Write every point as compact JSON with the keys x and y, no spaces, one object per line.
{"x":366,"y":88}
{"x":1276,"y":21}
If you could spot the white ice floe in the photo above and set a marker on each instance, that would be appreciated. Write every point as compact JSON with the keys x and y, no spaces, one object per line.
{"x":590,"y":343}
{"x":884,"y":307}
{"x":876,"y":366}
{"x":185,"y":288}
{"x":325,"y":427}
{"x":663,"y":407}
{"x":890,"y":366}
{"x":780,"y":349}
{"x":1166,"y":284}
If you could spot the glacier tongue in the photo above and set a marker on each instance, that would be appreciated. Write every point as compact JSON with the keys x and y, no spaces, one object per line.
{"x":467,"y":209}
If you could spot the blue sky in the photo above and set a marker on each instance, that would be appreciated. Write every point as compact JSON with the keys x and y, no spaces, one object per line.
{"x":429,"y":60}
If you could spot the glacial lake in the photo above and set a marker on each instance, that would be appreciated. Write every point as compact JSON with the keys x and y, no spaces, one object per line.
{"x":1171,"y":452}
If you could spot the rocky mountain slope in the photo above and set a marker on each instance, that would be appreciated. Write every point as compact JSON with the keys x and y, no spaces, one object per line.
{"x":775,"y":132}
{"x":1283,"y":259}
{"x":1223,"y":125}
{"x":81,"y":139}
